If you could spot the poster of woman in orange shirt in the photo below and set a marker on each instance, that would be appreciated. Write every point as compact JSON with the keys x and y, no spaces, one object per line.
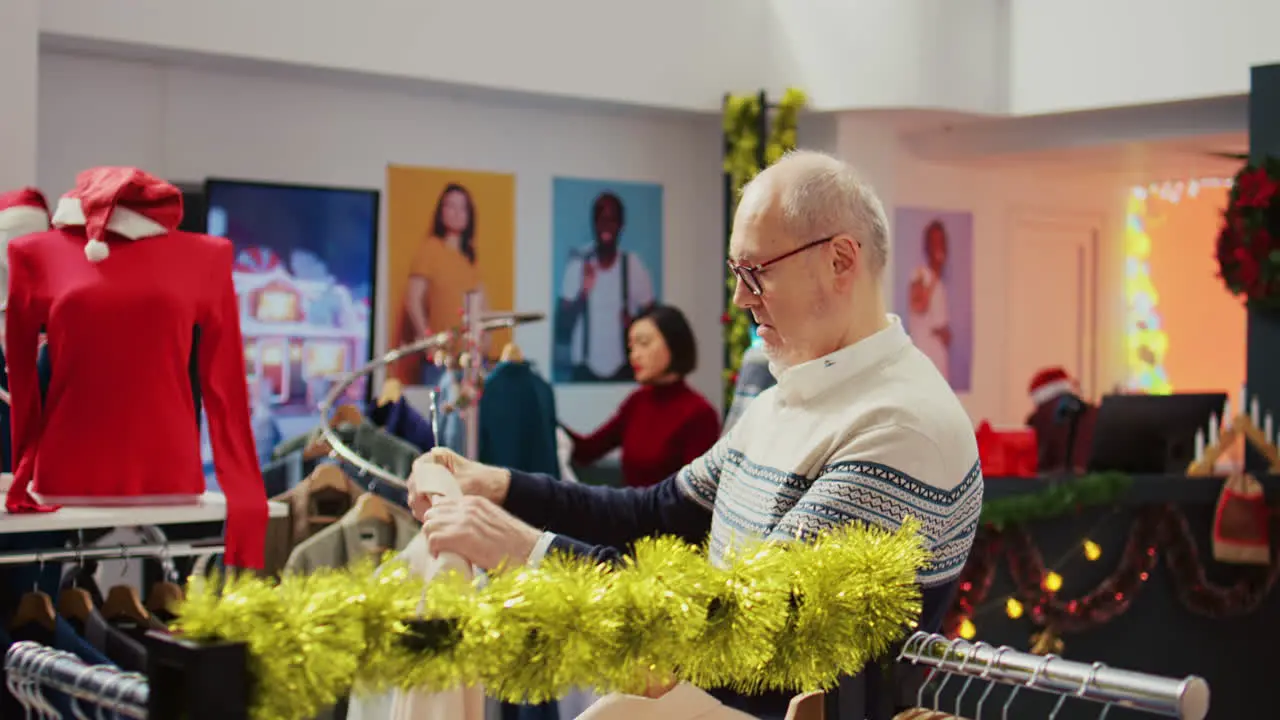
{"x":450,"y":232}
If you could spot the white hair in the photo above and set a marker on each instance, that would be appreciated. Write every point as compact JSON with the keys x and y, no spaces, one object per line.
{"x":824,"y":196}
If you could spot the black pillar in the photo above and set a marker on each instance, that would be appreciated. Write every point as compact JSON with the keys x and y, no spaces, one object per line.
{"x":1262,"y":369}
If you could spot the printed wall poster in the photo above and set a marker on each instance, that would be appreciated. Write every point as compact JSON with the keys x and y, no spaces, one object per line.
{"x":449,"y":232}
{"x":607,"y":254}
{"x":304,"y":275}
{"x":933,"y":287}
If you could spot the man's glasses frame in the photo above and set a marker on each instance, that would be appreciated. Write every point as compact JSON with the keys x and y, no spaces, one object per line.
{"x":749,"y":274}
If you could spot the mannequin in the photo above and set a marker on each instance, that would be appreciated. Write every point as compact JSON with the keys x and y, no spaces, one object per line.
{"x":143,"y":326}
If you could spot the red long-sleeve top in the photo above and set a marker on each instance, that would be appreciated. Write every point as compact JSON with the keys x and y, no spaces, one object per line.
{"x":660,"y":428}
{"x":118,"y":425}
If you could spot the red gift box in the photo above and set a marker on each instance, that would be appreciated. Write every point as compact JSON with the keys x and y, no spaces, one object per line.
{"x":1007,"y":453}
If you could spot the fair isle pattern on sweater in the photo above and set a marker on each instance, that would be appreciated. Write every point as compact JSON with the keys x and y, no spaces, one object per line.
{"x":870,"y":434}
{"x":854,"y":491}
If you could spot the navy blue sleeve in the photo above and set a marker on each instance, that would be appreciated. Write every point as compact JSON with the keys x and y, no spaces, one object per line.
{"x":606,"y":516}
{"x":401,"y":420}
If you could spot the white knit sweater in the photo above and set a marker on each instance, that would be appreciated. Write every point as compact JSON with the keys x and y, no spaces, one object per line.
{"x":869,"y":433}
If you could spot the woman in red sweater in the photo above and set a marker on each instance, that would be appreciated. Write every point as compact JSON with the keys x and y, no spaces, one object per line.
{"x":664,"y":424}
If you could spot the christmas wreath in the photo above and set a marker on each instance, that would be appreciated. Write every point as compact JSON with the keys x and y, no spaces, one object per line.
{"x":1249,"y":243}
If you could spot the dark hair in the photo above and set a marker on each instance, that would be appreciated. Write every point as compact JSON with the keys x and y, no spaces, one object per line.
{"x":467,"y":242}
{"x":608,"y":197}
{"x":675,"y":331}
{"x":935,"y":225}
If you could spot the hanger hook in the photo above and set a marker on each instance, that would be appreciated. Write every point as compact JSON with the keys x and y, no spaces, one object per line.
{"x":906,"y":646}
{"x":35,"y":581}
{"x":992,"y":662}
{"x":1031,"y":683}
{"x":952,"y":647}
{"x":973,"y":652}
{"x":1092,"y":682}
{"x":925,"y":643}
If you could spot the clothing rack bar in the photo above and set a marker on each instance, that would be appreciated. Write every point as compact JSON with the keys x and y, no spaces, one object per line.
{"x":1186,"y":699}
{"x":125,"y":694}
{"x":124,"y":552}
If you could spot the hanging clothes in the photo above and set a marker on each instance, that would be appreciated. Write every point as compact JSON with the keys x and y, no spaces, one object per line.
{"x":369,"y":441}
{"x":353,"y":538}
{"x":453,"y":432}
{"x":460,"y":704}
{"x":401,"y":420}
{"x":683,"y":702}
{"x":518,"y":420}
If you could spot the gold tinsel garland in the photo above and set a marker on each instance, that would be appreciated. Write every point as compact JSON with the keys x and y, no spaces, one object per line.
{"x":782,"y":616}
{"x":741,"y":163}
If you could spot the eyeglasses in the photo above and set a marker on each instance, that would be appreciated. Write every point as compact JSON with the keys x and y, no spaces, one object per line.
{"x":749,"y":275}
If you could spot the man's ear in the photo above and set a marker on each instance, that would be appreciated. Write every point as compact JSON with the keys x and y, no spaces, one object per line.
{"x":846,"y":254}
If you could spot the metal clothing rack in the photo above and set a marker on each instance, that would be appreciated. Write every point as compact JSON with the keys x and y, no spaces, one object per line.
{"x":122,"y":552}
{"x":31,"y":668}
{"x":1186,"y":698}
{"x":184,"y":680}
{"x":497,"y":321}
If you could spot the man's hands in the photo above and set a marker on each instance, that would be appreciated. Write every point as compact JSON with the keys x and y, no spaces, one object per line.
{"x":473,"y":478}
{"x":479,"y":531}
{"x":474,"y":526}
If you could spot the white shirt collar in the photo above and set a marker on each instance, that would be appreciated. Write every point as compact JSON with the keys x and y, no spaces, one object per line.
{"x":810,"y":379}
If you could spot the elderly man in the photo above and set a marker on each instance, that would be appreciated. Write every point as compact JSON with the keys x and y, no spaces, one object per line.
{"x":861,"y":427}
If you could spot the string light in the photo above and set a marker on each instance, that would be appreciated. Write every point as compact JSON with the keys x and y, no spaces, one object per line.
{"x":1092,"y":550}
{"x":1052,"y":582}
{"x":1013,"y":608}
{"x":968,"y":630}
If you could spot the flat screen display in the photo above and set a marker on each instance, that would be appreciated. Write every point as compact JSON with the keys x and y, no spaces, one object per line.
{"x":304,"y":274}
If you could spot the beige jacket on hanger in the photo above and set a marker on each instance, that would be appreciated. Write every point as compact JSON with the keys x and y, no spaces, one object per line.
{"x":463,"y":703}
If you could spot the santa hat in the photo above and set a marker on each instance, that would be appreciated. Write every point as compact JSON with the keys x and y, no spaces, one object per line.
{"x":1049,"y":384}
{"x":121,"y":200}
{"x":22,"y":212}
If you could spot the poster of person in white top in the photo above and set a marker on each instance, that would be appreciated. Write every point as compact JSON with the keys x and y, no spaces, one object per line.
{"x":608,"y":261}
{"x":933,"y":287}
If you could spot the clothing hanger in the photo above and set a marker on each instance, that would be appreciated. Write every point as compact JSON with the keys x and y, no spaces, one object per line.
{"x":986,"y":673}
{"x":35,"y":606}
{"x":1031,"y":683}
{"x":392,"y":389}
{"x":75,"y":603}
{"x":328,"y":477}
{"x":343,"y":415}
{"x":164,"y":597}
{"x":511,"y":353}
{"x":123,"y":603}
{"x":371,"y":506}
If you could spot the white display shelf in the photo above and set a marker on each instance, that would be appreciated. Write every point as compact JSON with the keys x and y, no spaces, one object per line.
{"x":211,"y":508}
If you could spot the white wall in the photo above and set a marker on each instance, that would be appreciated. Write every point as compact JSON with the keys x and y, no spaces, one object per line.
{"x":186,"y":125}
{"x":1006,"y":204}
{"x":1089,"y":54}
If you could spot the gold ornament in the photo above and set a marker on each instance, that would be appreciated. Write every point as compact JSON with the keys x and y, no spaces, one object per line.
{"x":789,"y":616}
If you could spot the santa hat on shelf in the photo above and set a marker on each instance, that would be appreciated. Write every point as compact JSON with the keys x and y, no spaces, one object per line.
{"x":121,"y":200}
{"x":1048,"y":384}
{"x":22,"y":212}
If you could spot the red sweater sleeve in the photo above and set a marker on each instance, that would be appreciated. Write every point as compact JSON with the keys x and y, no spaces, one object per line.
{"x":699,"y":433}
{"x":590,"y":448}
{"x":226,"y":398}
{"x":23,"y":320}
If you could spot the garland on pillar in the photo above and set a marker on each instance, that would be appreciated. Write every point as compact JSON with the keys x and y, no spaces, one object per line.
{"x":744,"y":116}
